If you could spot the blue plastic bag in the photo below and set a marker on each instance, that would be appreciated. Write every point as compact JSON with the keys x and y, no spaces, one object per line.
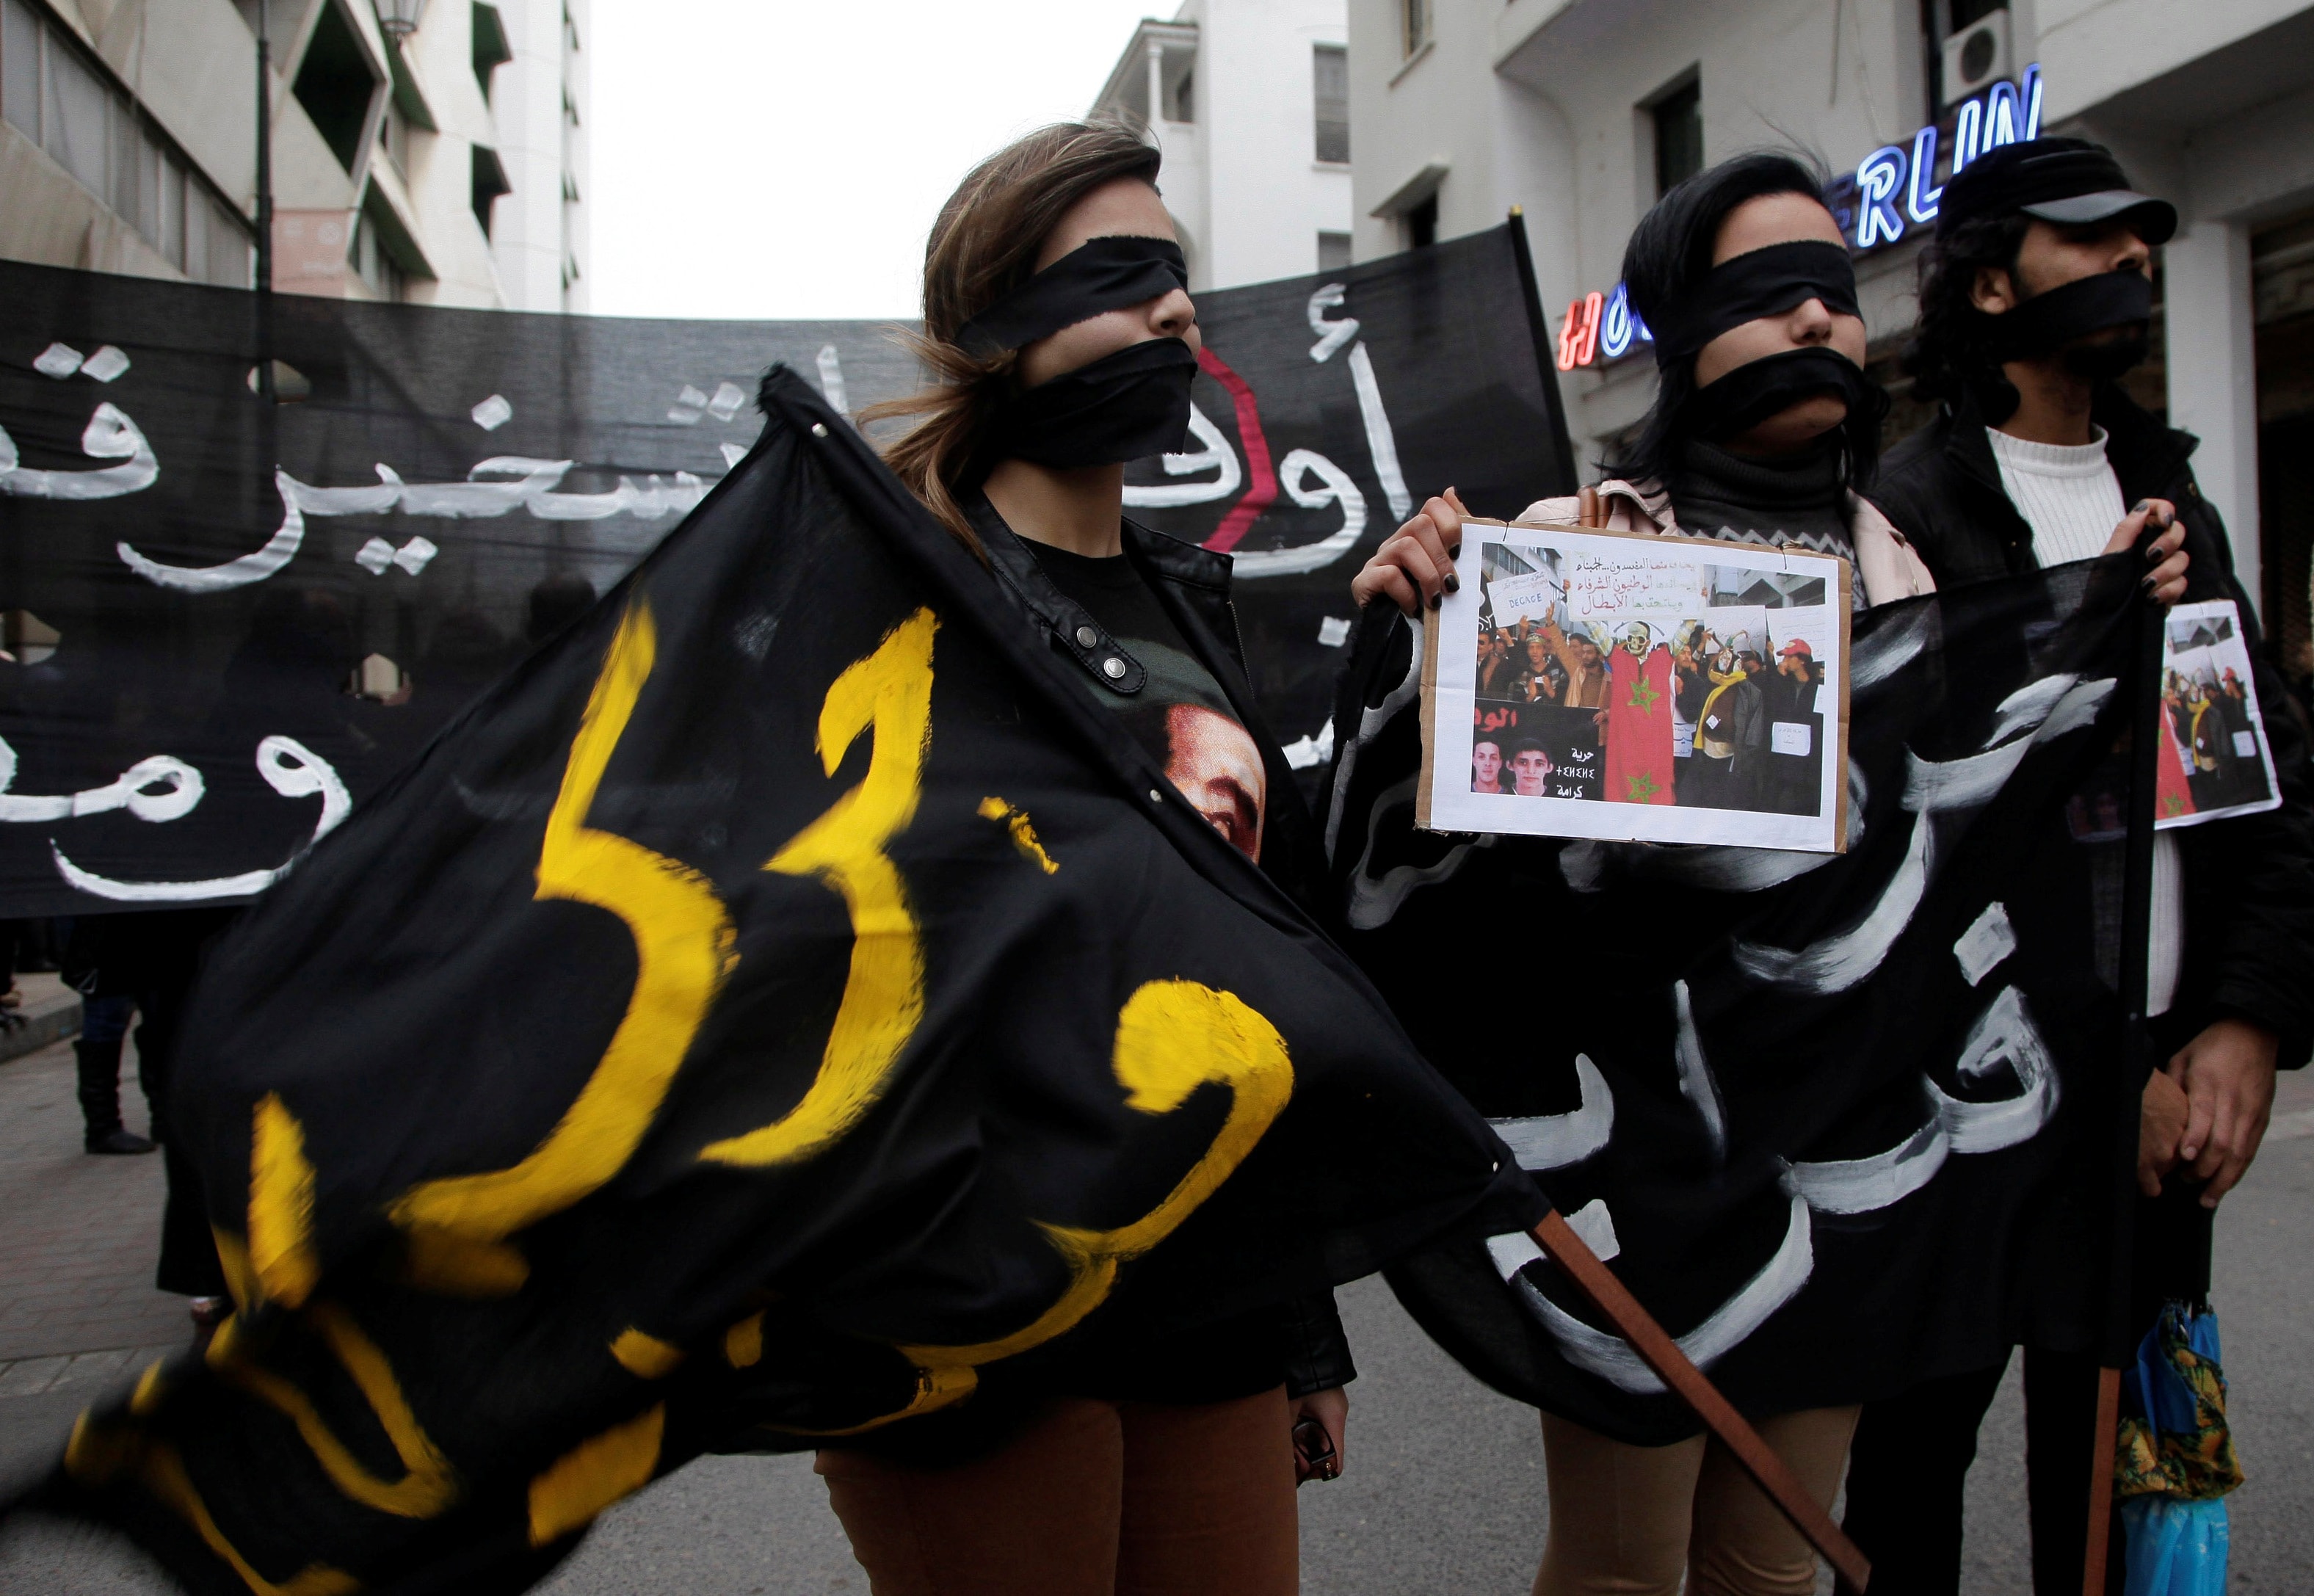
{"x":2176,"y":1548}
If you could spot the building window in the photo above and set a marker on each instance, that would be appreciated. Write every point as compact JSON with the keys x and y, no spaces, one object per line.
{"x":491,"y":50}
{"x":395,"y":136}
{"x":336,"y":86}
{"x":1330,"y":73}
{"x":64,"y":101}
{"x":1414,"y":24}
{"x":1333,"y":251}
{"x":372,"y":256}
{"x":1422,"y":224}
{"x":1679,"y":136}
{"x":490,"y":182}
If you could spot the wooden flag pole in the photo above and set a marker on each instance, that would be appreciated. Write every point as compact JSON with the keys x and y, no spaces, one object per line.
{"x":2136,"y":1064}
{"x":1661,"y":1353}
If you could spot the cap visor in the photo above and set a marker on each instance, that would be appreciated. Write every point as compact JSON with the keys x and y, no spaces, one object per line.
{"x":2156,"y":219}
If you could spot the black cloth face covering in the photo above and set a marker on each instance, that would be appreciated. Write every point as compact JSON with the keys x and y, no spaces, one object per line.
{"x":2050,"y":321}
{"x":1758,"y":389}
{"x":1106,"y":274}
{"x":1759,"y":283}
{"x":1123,"y":406}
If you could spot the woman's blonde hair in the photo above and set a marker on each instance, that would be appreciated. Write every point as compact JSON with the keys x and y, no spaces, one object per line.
{"x":984,"y":246}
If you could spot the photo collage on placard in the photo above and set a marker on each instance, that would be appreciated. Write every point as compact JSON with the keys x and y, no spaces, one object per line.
{"x":1651,"y":676}
{"x":2213,"y":759}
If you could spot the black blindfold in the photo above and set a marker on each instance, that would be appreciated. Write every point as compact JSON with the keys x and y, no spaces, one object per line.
{"x":1763,"y":283}
{"x":1106,"y":274}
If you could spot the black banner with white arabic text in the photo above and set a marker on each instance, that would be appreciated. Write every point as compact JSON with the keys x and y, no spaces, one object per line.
{"x":228,"y":621}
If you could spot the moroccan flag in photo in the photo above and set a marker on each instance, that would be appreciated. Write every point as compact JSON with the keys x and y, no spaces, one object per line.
{"x":2172,"y":795}
{"x":789,"y":1005}
{"x":1639,"y":763}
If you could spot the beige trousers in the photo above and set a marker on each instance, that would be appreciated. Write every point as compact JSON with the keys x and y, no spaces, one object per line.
{"x":1626,"y":1521}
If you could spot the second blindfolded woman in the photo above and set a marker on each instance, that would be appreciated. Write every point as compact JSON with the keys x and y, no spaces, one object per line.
{"x":1763,"y":429}
{"x":1060,"y":334}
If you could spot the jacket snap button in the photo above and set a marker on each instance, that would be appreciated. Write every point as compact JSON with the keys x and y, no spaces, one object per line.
{"x":1156,"y":797}
{"x":1112,"y":667}
{"x":1087,"y":637}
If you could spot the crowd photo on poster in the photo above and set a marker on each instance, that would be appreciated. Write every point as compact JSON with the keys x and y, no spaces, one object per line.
{"x":2214,"y":761}
{"x":1625,"y":671}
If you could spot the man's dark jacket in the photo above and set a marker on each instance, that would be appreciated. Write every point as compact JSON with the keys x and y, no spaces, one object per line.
{"x":2248,"y":881}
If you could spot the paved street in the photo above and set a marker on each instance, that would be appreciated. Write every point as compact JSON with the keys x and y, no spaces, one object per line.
{"x":1444,"y":1490}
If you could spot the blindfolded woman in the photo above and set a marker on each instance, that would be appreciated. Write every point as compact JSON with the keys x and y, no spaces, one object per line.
{"x":1059,"y":332}
{"x":1763,"y":427}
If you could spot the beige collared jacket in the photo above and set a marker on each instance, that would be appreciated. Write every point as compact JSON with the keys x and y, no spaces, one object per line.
{"x":1887,"y":564}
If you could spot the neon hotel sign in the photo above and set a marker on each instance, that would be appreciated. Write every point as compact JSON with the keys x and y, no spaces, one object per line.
{"x":1892,"y":190}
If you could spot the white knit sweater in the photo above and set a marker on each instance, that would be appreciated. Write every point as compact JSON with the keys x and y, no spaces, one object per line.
{"x":2069,"y":497}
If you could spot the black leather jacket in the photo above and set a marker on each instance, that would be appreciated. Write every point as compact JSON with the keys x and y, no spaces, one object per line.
{"x":2249,"y":881}
{"x":1193,"y":584}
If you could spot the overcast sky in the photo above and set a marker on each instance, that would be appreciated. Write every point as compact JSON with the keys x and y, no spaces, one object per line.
{"x":776,"y":159}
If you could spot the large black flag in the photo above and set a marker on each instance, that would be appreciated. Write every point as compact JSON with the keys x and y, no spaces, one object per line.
{"x":789,"y":1005}
{"x":1840,"y":1122}
{"x":229,"y":620}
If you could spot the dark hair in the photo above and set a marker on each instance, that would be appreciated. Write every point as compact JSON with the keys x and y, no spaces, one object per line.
{"x":984,"y":244}
{"x":1669,"y":254}
{"x":1951,"y":350}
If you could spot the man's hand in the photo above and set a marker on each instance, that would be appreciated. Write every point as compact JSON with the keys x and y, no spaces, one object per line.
{"x":1331,"y":1409}
{"x":2161,"y":1126}
{"x":2165,"y":557}
{"x":1414,"y":565}
{"x":2227,"y":1074}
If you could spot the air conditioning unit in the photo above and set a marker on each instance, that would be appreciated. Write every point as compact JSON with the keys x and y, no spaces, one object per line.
{"x":1976,"y":57}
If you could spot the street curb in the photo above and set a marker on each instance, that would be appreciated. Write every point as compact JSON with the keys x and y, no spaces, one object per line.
{"x":46,"y":1019}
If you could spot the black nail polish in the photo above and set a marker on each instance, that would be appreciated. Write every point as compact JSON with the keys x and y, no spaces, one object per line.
{"x":2144,"y":587}
{"x":1453,"y":583}
{"x":1439,"y":598}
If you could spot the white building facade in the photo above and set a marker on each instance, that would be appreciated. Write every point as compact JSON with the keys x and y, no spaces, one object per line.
{"x":1582,"y":111}
{"x":443,"y":163}
{"x":1251,"y":107}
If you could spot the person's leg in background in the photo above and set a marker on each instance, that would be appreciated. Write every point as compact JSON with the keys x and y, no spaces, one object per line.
{"x":1209,"y":1503}
{"x":103,"y":1027}
{"x":1040,"y":1515}
{"x":1907,"y":1474}
{"x":1620,"y":1515}
{"x":2061,"y":1393}
{"x":188,"y":1249}
{"x":1742,"y":1545}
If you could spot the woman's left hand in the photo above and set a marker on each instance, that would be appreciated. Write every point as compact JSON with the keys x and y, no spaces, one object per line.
{"x":1331,"y":1409}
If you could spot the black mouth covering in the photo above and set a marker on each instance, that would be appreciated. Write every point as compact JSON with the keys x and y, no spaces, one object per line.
{"x":1758,"y":389}
{"x":2070,"y":181}
{"x":1761,"y":282}
{"x":1127,"y":405}
{"x":2050,"y":321}
{"x":1106,"y":274}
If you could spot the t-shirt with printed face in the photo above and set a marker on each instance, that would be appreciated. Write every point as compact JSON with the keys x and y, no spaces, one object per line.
{"x":1181,"y":716}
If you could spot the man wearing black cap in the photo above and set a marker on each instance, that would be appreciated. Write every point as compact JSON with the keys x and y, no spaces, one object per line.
{"x":2035,"y":299}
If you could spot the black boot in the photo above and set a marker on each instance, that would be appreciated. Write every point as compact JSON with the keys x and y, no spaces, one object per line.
{"x":100,"y":1100}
